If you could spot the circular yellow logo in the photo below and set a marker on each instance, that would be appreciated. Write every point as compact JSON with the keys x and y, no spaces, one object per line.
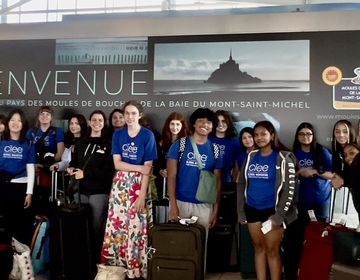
{"x":332,"y":75}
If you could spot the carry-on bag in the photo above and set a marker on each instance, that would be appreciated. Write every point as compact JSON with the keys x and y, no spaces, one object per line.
{"x":219,"y":248}
{"x":70,"y":240}
{"x":246,"y":253}
{"x":178,"y":252}
{"x":347,"y":248}
{"x":317,"y":254}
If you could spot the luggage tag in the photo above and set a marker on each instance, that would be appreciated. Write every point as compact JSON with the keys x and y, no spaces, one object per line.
{"x":312,"y":216}
{"x":266,"y":227}
{"x":187,"y":221}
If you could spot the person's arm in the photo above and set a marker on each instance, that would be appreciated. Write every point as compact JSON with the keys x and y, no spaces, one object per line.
{"x":140,"y":201}
{"x":240,"y":190}
{"x":145,"y":169}
{"x":172,"y":169}
{"x":30,"y":171}
{"x":216,"y":206}
{"x":60,"y":147}
{"x":286,"y":196}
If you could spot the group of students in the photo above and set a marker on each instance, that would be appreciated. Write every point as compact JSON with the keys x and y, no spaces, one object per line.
{"x":114,"y":162}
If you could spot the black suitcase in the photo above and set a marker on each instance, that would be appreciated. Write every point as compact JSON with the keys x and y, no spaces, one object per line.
{"x":219,"y":248}
{"x":178,"y":252}
{"x":228,"y":209}
{"x":246,"y":253}
{"x":347,"y":248}
{"x":70,"y":242}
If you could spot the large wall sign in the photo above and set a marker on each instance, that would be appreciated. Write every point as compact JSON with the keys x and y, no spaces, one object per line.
{"x":286,"y":78}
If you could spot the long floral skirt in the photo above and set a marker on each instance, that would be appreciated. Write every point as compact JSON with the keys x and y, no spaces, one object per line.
{"x":126,"y":232}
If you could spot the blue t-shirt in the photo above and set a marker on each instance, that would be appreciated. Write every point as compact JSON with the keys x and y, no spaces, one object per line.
{"x":314,"y":190}
{"x":134,"y":150}
{"x":229,"y":149}
{"x":54,"y":136}
{"x":14,"y":155}
{"x":188,"y":174}
{"x":261,"y":174}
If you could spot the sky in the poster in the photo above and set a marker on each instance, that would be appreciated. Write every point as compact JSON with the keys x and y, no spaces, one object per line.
{"x":267,"y":60}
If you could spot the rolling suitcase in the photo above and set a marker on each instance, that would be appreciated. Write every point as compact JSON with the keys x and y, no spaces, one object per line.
{"x":317,"y":252}
{"x":70,"y":242}
{"x":178,"y":252}
{"x":219,"y":247}
{"x":221,"y":238}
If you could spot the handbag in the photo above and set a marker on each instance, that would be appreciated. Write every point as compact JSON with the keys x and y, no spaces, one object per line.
{"x":206,"y":190}
{"x":107,"y":272}
{"x":22,"y":265}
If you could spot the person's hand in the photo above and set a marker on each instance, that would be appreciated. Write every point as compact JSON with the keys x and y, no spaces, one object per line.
{"x":54,"y":167}
{"x":337,"y":182}
{"x":38,"y":167}
{"x":163,"y":173}
{"x":28,"y":201}
{"x":70,"y":170}
{"x":79,"y":174}
{"x":139,"y":204}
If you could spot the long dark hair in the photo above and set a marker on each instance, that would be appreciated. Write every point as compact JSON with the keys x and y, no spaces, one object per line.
{"x":315,"y":148}
{"x":230,"y":131}
{"x":24,"y":122}
{"x":105,"y":128}
{"x":69,"y":137}
{"x":338,"y":150}
{"x":276,"y":144}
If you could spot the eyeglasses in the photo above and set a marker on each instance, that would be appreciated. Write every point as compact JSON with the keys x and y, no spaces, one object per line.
{"x":307,"y":134}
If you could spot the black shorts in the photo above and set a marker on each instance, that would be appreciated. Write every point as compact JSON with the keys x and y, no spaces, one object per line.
{"x":254,"y":215}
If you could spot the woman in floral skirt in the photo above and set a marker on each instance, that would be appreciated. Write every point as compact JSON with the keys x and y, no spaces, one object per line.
{"x":129,"y":215}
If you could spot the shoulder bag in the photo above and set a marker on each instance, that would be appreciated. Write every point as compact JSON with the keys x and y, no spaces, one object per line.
{"x":206,"y":190}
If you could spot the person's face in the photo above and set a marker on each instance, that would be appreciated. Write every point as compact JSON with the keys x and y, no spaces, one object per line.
{"x":341,"y":134}
{"x":15,"y":123}
{"x":247,"y":140}
{"x":96,"y":123}
{"x":262,"y":137}
{"x":305,"y":136}
{"x":175,"y":127}
{"x":45,"y":117}
{"x":74,"y":126}
{"x":222,"y":125}
{"x":349,"y":153}
{"x":203,"y":126}
{"x":132,"y":115}
{"x":117,"y":120}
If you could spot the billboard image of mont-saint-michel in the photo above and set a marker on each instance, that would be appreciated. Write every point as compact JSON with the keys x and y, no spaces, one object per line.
{"x":250,"y":66}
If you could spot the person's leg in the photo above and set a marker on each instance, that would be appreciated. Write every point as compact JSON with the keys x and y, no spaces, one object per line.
{"x":99,"y":206}
{"x":273,"y":240}
{"x":260,"y":249}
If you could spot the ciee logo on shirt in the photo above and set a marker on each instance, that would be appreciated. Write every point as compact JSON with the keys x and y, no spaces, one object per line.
{"x":191,"y":160}
{"x":306,"y":162}
{"x":13,"y":149}
{"x":130,"y":148}
{"x":257,"y":170}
